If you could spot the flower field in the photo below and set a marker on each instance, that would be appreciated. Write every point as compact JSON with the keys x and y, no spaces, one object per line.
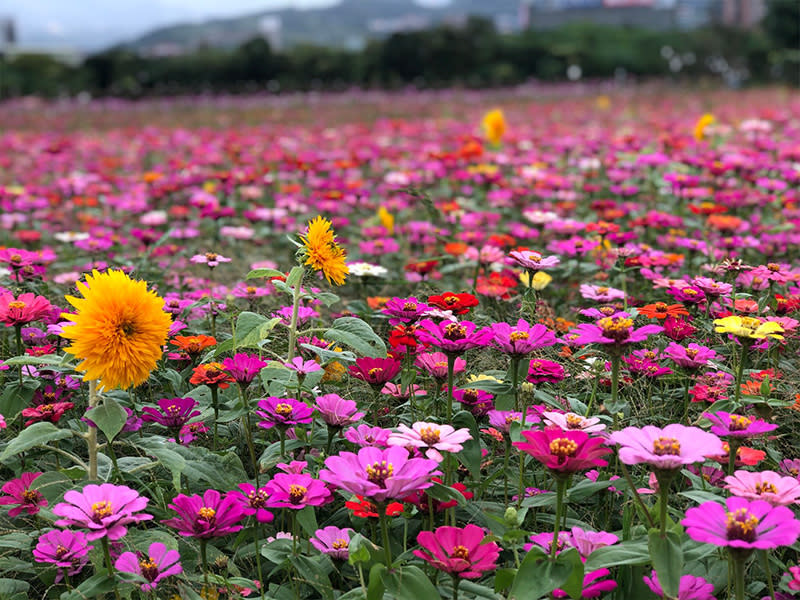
{"x":482,"y":345}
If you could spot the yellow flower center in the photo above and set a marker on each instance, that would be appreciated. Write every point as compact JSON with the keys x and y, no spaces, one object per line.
{"x":765,"y":487}
{"x":740,"y":423}
{"x":692,"y":352}
{"x":61,"y":551}
{"x":297,"y":493}
{"x":409,"y":306}
{"x":206,"y":513}
{"x":149,"y":568}
{"x":741,"y":525}
{"x":257,"y":498}
{"x":379,"y":472}
{"x":664,"y":446}
{"x":602,"y":290}
{"x":440,"y":364}
{"x":574,"y":422}
{"x":429,"y":435}
{"x":210,"y":256}
{"x":661,"y":306}
{"x":250,"y":290}
{"x":454,"y":331}
{"x":519,"y":335}
{"x":339,"y":544}
{"x":283,"y":409}
{"x":16,"y":305}
{"x":690,"y":292}
{"x":102,"y":509}
{"x":773,"y":267}
{"x":375,"y":371}
{"x":459,"y":552}
{"x":563,"y":447}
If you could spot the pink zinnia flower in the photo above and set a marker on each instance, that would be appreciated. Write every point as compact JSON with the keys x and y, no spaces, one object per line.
{"x":742,"y":524}
{"x":156,"y":565}
{"x":764,"y":485}
{"x":586,"y":542}
{"x":692,"y":356}
{"x":283,"y":412}
{"x":105,"y":510}
{"x":375,"y":371}
{"x":212,"y":259}
{"x":333,"y":541}
{"x":296,"y":491}
{"x":434,"y":437}
{"x":65,"y":549}
{"x":243,"y":367}
{"x":522,"y":338}
{"x":601,"y":293}
{"x":666,"y":449}
{"x":691,"y":587}
{"x":336,"y":411}
{"x":573,"y":421}
{"x":379,"y":474}
{"x":20,"y":493}
{"x":737,"y":426}
{"x":405,"y":310}
{"x":453,"y":337}
{"x":544,"y":371}
{"x":254,"y":500}
{"x":616,"y":330}
{"x":460,"y":552}
{"x":26,"y":308}
{"x":435,"y":364}
{"x":207,"y":516}
{"x":564,"y":451}
{"x":172,"y":413}
{"x":365,"y":435}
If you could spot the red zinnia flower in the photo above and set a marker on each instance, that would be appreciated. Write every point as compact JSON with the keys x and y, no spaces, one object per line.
{"x":46,"y":412}
{"x":362,"y":508}
{"x":564,"y":451}
{"x":460,"y":304}
{"x":211,"y":374}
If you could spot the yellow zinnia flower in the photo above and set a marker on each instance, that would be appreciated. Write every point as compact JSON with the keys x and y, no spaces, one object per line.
{"x":386,"y":219}
{"x":538,"y":282}
{"x":749,"y":327}
{"x":323,"y":253}
{"x":701,"y":126}
{"x":119,"y":329}
{"x":494,"y":125}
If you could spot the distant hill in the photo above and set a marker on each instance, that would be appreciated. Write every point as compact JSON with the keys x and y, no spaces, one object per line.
{"x":349,"y":23}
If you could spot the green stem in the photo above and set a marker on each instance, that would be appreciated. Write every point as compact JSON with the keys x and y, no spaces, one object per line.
{"x":215,"y":404}
{"x":451,"y":366}
{"x":738,"y":577}
{"x":456,"y":581}
{"x":636,"y":495}
{"x":204,"y":560}
{"x":381,"y":506}
{"x":733,"y":450}
{"x":739,"y":374}
{"x":615,"y":360}
{"x":329,"y":443}
{"x":296,"y":295}
{"x":505,"y":469}
{"x":515,"y":360}
{"x":91,"y":434}
{"x":663,"y":496}
{"x":561,"y":487}
{"x":248,"y":433}
{"x":110,"y":565}
{"x":282,"y":433}
{"x":768,"y":573}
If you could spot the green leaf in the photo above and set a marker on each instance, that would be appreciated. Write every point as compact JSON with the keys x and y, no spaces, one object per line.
{"x":94,"y":587}
{"x":626,"y":553}
{"x":109,"y":417}
{"x":170,"y":459}
{"x":257,"y":273}
{"x":503,"y":579}
{"x":17,"y":396}
{"x":308,"y":520}
{"x":295,"y":276}
{"x":375,"y":586}
{"x":38,"y":434}
{"x":667,"y":557}
{"x":444,"y":493}
{"x":251,"y":329}
{"x":470,"y":455}
{"x":585,"y":488}
{"x":538,"y":576}
{"x":13,"y":589}
{"x":357,"y":334}
{"x":357,"y":549}
{"x":310,"y":571}
{"x":574,"y":585}
{"x":329,"y":355}
{"x":409,"y":583}
{"x":48,"y":359}
{"x":327,"y":298}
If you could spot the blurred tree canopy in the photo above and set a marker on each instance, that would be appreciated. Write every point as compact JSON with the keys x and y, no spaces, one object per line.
{"x":472,"y":55}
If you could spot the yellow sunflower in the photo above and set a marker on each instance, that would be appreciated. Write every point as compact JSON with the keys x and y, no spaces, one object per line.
{"x":323,"y":253}
{"x":119,"y":329}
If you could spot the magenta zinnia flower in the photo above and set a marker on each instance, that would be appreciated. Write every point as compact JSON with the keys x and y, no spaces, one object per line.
{"x":254,"y":500}
{"x":364,"y":435}
{"x":666,"y":449}
{"x":65,"y":549}
{"x":458,"y":551}
{"x":435,"y":364}
{"x":105,"y":510}
{"x":544,"y":371}
{"x":453,"y":337}
{"x":158,"y":564}
{"x":375,"y":371}
{"x":283,"y":412}
{"x":296,"y":490}
{"x":379,"y":474}
{"x":431,"y":436}
{"x":617,"y":330}
{"x":20,"y":493}
{"x":691,"y":587}
{"x":564,"y":451}
{"x":586,"y":542}
{"x":692,"y":356}
{"x":243,"y":367}
{"x":333,"y":541}
{"x":172,"y":413}
{"x":742,"y":524}
{"x":522,"y":338}
{"x":336,"y":411}
{"x":26,"y":308}
{"x":212,"y":515}
{"x":405,"y":310}
{"x":737,"y":426}
{"x":765,"y":485}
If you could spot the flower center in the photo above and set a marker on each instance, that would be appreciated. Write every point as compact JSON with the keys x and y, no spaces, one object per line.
{"x":340,"y":544}
{"x":454,"y":331}
{"x":690,"y":292}
{"x":739,"y":423}
{"x":16,"y":305}
{"x":574,"y":422}
{"x":250,"y":290}
{"x":297,"y":493}
{"x":451,"y":300}
{"x":563,"y":447}
{"x":602,"y":290}
{"x":149,"y":569}
{"x":616,"y":328}
{"x":15,"y":257}
{"x":379,"y":472}
{"x":519,"y":335}
{"x":429,"y":435}
{"x":692,"y":352}
{"x":661,"y":306}
{"x":210,"y":256}
{"x":409,"y":306}
{"x":764,"y":487}
{"x":607,"y":310}
{"x":31,"y":496}
{"x":127,"y":328}
{"x":375,"y":371}
{"x":441,"y":364}
{"x":459,"y":552}
{"x":666,"y":447}
{"x":61,"y":551}
{"x":257,"y":498}
{"x":741,"y":525}
{"x":206,"y":513}
{"x":774,"y":267}
{"x":102,"y":509}
{"x":283,"y":409}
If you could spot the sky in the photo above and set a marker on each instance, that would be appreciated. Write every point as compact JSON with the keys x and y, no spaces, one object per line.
{"x":92,"y":24}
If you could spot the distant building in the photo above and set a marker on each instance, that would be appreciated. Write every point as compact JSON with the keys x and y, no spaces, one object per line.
{"x":8,"y":32}
{"x":745,"y":14}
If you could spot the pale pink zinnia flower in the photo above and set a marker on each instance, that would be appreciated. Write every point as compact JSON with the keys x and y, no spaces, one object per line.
{"x":572,"y":420}
{"x":769,"y":486}
{"x":432,"y":436}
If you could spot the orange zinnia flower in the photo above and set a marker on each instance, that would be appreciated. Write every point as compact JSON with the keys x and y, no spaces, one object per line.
{"x":211,"y":374}
{"x":662,"y":310}
{"x":193,"y":344}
